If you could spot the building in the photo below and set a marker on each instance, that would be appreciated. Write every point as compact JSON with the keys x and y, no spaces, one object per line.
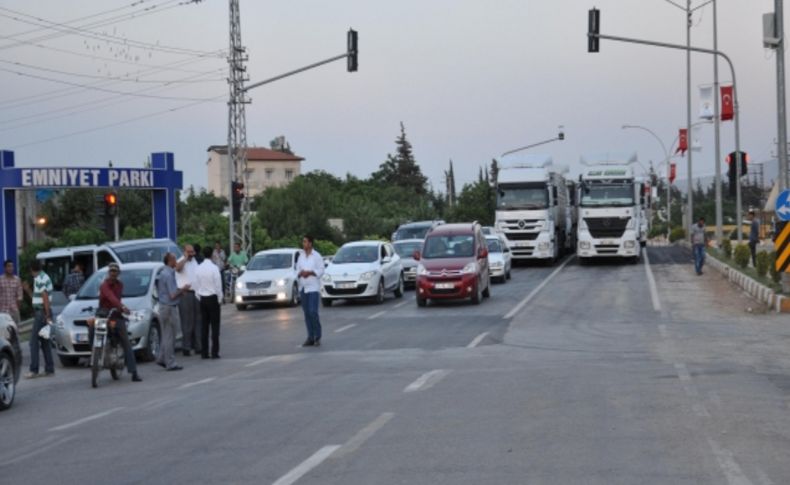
{"x":267,"y":168}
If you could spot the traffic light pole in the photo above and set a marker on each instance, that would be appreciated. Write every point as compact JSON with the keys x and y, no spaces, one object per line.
{"x":559,"y":137}
{"x":715,"y":52}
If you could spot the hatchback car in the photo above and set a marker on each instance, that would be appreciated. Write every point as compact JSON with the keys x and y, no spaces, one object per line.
{"x":139,"y":295}
{"x":414,"y":230}
{"x":10,"y":360}
{"x":500,"y":261}
{"x":453,"y":265}
{"x":362,"y":270}
{"x":270,"y":276}
{"x":406,"y":249}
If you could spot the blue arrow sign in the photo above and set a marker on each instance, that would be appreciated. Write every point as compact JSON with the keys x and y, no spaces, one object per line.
{"x":783,"y":205}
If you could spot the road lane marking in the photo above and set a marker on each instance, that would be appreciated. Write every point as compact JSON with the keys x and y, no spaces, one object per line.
{"x":158,"y":403}
{"x":347,"y":327}
{"x":376,"y":315}
{"x":474,"y":343}
{"x":534,"y":292}
{"x":197,"y":383}
{"x":402,"y":303}
{"x":683,"y":372}
{"x":732,"y":472}
{"x":303,"y":468}
{"x":285,"y":359}
{"x":427,"y":380}
{"x":39,"y":448}
{"x":85,"y":420}
{"x":651,"y":282}
{"x":363,"y":435}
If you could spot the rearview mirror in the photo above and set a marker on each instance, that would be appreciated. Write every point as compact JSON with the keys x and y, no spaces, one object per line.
{"x":483,"y":253}
{"x":386,"y":260}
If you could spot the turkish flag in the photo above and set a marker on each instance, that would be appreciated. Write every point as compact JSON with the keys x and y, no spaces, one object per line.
{"x":683,"y":141}
{"x":671,"y":173}
{"x":727,"y":103}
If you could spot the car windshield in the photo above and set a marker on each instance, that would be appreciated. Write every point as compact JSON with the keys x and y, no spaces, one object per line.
{"x":135,"y":284}
{"x":522,"y":196}
{"x":143,"y":253}
{"x":461,"y":246}
{"x":494,"y":246}
{"x":270,"y":261}
{"x":414,"y":232}
{"x":406,"y":250}
{"x":356,"y":254}
{"x":594,"y":195}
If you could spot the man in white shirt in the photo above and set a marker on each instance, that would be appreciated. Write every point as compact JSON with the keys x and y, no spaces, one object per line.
{"x":310,"y":268}
{"x":208,"y":288}
{"x":189,"y":307}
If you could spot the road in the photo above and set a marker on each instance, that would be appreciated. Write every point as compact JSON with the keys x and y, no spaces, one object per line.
{"x":594,"y":374}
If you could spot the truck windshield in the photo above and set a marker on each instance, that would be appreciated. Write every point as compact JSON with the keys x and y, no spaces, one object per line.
{"x":522,"y":196}
{"x":618,"y":195}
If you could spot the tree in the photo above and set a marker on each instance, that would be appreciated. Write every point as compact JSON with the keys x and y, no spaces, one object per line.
{"x":475,"y":203}
{"x":402,"y":169}
{"x":494,"y":172}
{"x":449,"y":177}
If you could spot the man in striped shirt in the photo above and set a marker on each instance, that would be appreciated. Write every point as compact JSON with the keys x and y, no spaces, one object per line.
{"x":42,"y":288}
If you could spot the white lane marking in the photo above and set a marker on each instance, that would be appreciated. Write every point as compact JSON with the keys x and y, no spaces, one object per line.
{"x":286,"y":359}
{"x":427,"y":380}
{"x":534,"y":292}
{"x":651,"y":282}
{"x":402,"y":303}
{"x":376,"y":315}
{"x":40,"y":448}
{"x":303,"y":468}
{"x":728,"y":465}
{"x":363,"y":435}
{"x":683,"y":372}
{"x":158,"y":403}
{"x":197,"y":383}
{"x":474,"y":343}
{"x":85,"y":420}
{"x":347,"y":327}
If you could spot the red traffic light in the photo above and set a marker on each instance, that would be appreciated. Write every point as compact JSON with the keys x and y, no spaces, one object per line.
{"x":111,"y":199}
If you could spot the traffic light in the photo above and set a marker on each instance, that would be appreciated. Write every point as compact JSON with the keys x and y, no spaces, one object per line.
{"x":353,"y":50}
{"x":593,"y":29}
{"x":110,"y":203}
{"x":561,"y":136}
{"x":237,"y":195}
{"x":732,"y":173}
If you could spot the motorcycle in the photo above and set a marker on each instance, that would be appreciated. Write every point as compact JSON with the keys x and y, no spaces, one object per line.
{"x":107,"y":350}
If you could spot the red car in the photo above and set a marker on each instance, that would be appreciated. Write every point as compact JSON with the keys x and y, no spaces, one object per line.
{"x":453,"y":264}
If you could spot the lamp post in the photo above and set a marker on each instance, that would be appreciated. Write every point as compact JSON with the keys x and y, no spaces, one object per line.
{"x":666,"y":160}
{"x":560,"y":136}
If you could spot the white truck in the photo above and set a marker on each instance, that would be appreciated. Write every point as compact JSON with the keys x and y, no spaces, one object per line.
{"x":533,"y":209}
{"x":611,"y":212}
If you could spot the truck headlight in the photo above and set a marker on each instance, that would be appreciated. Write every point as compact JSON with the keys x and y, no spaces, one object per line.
{"x":629,"y":244}
{"x":543,"y":246}
{"x":470,"y":268}
{"x":584,"y":244}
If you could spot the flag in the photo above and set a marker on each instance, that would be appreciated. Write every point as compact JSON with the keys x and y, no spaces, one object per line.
{"x":706,"y":102}
{"x":672,"y":174}
{"x":683,"y":142}
{"x":727,"y":103}
{"x":696,"y":143}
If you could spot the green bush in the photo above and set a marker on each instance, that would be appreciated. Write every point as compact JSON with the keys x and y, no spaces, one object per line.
{"x":742,"y":255}
{"x":677,"y":234}
{"x":763,"y":261}
{"x":726,"y":248}
{"x":775,"y":275}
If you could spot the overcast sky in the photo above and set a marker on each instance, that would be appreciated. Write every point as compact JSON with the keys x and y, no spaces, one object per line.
{"x":469,"y":79}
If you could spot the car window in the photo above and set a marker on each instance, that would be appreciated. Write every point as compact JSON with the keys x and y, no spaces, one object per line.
{"x":494,"y":246}
{"x":57,"y":269}
{"x":266,"y":262}
{"x":135,"y":284}
{"x":383,"y":252}
{"x":356,"y":254}
{"x":406,"y":249}
{"x":149,"y":252}
{"x":104,"y":258}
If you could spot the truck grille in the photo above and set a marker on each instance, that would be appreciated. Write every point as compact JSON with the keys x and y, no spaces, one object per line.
{"x":521,"y":236}
{"x":603,"y":227}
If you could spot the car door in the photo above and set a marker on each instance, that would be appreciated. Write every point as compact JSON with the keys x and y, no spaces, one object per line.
{"x":397,"y":264}
{"x":386,"y":263}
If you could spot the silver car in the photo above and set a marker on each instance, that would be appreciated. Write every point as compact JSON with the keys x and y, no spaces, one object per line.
{"x":71,"y":339}
{"x":405,"y":249}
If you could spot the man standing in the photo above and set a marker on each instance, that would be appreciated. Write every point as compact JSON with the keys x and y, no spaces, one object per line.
{"x":42,"y":288}
{"x":310,"y":268}
{"x":218,"y":256}
{"x":74,"y":281}
{"x":110,"y":293}
{"x":208,"y":287}
{"x":699,"y":241}
{"x":169,"y":297}
{"x":754,"y":236}
{"x":10,"y":291}
{"x":188,"y":307}
{"x":237,"y":258}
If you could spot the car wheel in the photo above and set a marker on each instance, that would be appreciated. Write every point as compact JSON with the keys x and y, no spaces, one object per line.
{"x":7,"y":384}
{"x":477,"y":296}
{"x":327,"y":302}
{"x":487,"y":291}
{"x":421,"y":302}
{"x":95,"y":367}
{"x":399,"y":289}
{"x":294,"y":296}
{"x":154,"y":346}
{"x":241,"y":308}
{"x":68,"y":360}
{"x":507,"y":274}
{"x":379,"y":298}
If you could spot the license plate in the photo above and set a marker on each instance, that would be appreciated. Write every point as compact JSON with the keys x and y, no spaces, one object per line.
{"x":445,"y":286}
{"x":80,"y":338}
{"x":257,"y":292}
{"x":609,"y":242}
{"x":522,"y":244}
{"x":346,"y":286}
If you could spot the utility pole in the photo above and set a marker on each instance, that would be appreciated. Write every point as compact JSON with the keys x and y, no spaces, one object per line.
{"x":690,"y":188}
{"x":240,"y":230}
{"x":780,"y":94}
{"x":717,"y":128}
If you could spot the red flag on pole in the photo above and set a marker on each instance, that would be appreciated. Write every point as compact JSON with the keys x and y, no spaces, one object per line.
{"x":672,"y":172}
{"x":683,"y":141}
{"x":727,"y":103}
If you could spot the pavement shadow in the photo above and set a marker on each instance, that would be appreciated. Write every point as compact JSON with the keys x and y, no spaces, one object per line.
{"x":670,"y":255}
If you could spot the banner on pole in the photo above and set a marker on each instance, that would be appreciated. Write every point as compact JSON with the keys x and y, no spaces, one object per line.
{"x":672,"y":172}
{"x":727,"y":103}
{"x":683,"y":141}
{"x":706,"y":102}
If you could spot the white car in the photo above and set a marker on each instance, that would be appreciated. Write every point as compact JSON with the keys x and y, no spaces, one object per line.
{"x":500,"y":261}
{"x":362,"y":270}
{"x":270,"y":277}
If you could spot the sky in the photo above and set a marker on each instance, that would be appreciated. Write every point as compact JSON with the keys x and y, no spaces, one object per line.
{"x":469,"y":80}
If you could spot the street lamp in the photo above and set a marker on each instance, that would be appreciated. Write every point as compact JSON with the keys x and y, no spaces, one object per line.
{"x":560,"y":137}
{"x":666,"y":160}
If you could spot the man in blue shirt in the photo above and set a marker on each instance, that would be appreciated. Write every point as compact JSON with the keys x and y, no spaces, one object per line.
{"x":169,"y":295}
{"x":754,"y":236}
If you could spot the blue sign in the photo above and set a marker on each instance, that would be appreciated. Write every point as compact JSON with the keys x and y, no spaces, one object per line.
{"x":783,"y":205}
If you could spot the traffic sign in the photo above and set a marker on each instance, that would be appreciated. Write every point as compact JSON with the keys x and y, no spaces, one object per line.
{"x":783,"y":205}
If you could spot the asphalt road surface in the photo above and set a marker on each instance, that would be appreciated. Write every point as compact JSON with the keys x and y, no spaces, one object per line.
{"x":598,"y":374}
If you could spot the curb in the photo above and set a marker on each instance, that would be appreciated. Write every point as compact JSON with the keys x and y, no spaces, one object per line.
{"x":758,"y":291}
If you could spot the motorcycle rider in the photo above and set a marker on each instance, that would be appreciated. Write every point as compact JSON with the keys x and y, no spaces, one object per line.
{"x":110,"y":293}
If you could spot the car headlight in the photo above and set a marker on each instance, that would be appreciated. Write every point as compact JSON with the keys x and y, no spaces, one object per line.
{"x":327,"y":278}
{"x":421,"y":271}
{"x":60,"y":323}
{"x":367,"y":276}
{"x":497,"y":264}
{"x":240,"y":285}
{"x":584,"y":244}
{"x":470,"y":268}
{"x":281,"y":282}
{"x":138,"y":316}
